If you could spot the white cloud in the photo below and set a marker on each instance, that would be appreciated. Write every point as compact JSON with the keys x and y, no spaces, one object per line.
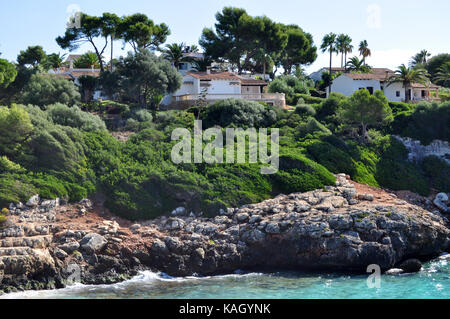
{"x":374,"y":16}
{"x":390,"y":58}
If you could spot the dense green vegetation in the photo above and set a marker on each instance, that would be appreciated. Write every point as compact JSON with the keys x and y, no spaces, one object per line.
{"x":62,"y":151}
{"x":57,"y":142}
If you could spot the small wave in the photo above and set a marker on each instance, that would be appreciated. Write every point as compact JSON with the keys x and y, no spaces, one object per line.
{"x":143,"y":278}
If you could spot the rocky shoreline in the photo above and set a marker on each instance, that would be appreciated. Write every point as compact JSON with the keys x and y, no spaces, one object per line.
{"x":49,"y":244}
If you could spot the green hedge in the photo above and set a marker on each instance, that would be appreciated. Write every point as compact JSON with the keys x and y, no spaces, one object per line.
{"x":308,"y":99}
{"x":438,"y":171}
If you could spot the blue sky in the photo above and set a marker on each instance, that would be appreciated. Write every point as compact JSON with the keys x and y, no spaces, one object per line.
{"x":394,"y":29}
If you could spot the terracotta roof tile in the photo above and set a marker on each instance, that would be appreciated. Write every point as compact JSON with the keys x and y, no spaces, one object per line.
{"x":227,"y":76}
{"x":249,"y":81}
{"x":379,"y":74}
{"x":429,"y":86}
{"x":214,"y":76}
{"x":80,"y":73}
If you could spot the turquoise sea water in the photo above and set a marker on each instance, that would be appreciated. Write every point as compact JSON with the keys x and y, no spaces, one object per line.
{"x":432,"y":282}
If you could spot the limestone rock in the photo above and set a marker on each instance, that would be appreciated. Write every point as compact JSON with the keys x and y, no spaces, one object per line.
{"x":92,"y":243}
{"x":33,"y":201}
{"x":440,"y":200}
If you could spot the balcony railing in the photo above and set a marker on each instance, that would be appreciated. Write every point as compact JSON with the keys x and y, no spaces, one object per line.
{"x":251,"y":96}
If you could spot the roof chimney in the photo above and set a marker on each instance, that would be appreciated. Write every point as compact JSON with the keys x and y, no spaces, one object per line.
{"x":71,"y":64}
{"x":208,"y":70}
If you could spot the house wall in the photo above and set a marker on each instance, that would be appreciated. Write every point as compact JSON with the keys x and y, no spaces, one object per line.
{"x":348,"y":86}
{"x":248,"y":89}
{"x":391,"y":92}
{"x":223,"y":87}
{"x":188,"y":88}
{"x":342,"y":84}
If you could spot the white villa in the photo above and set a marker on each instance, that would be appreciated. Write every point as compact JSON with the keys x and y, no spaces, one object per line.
{"x":348,"y":83}
{"x":72,"y":74}
{"x":219,"y":86}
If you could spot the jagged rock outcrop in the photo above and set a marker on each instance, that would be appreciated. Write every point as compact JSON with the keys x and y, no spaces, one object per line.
{"x":321,"y":230}
{"x":417,"y":151}
{"x":335,"y":228}
{"x":441,"y":202}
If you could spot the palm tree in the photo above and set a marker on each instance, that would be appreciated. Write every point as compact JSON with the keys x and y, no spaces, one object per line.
{"x":344,"y":46}
{"x":202,"y":65}
{"x":54,"y":61}
{"x":407,"y":77}
{"x":193,"y":48}
{"x":340,"y":47}
{"x":420,"y":59}
{"x":348,"y":48}
{"x":329,"y":44}
{"x":364,"y":50}
{"x":443,"y":75}
{"x":357,"y":65}
{"x":87,"y":60}
{"x":175,"y":53}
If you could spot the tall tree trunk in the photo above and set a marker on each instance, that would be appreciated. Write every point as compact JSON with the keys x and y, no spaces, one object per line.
{"x":407,"y":95}
{"x":331,"y":58}
{"x":112,"y":51}
{"x":345,"y":62}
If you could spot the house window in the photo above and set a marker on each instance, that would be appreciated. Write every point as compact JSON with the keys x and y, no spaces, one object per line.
{"x":183,"y":66}
{"x":397,"y":93}
{"x":370,"y":89}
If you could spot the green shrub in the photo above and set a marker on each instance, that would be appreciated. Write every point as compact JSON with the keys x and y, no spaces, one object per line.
{"x":426,"y":123}
{"x":112,"y":107}
{"x":7,"y":166}
{"x":74,"y":117}
{"x":44,"y":89}
{"x":334,"y":159}
{"x":329,"y":107}
{"x":312,"y":126}
{"x":291,"y":86}
{"x":305,"y":110}
{"x":240,"y":113}
{"x":14,"y":190}
{"x":308,"y":99}
{"x":438,"y":171}
{"x":15,"y":127}
{"x":142,"y":115}
{"x":58,"y":148}
{"x":299,"y":174}
{"x":393,"y":171}
{"x":3,"y":220}
{"x":76,"y":192}
{"x":49,"y":187}
{"x":398,"y":107}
